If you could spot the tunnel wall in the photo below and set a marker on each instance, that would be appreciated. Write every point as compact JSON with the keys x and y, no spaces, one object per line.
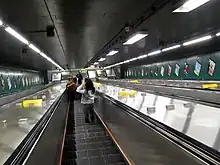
{"x":15,"y":80}
{"x":201,"y":67}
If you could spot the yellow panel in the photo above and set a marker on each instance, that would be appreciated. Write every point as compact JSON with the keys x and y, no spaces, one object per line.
{"x":132,"y":93}
{"x":123,"y":93}
{"x":209,"y":86}
{"x":32,"y":103}
{"x":134,"y":81}
{"x":97,"y":84}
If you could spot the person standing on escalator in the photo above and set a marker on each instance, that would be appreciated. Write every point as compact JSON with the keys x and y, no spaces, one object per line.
{"x":71,"y":88}
{"x":87,"y":90}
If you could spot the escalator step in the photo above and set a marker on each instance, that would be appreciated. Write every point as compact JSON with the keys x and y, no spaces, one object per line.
{"x":90,"y":135}
{"x":93,"y":139}
{"x":101,"y":160}
{"x":69,"y":162}
{"x":69,"y":154}
{"x":113,"y":158}
{"x":92,"y":161}
{"x":78,"y":131}
{"x":88,"y":144}
{"x":96,"y":145}
{"x":96,"y":152}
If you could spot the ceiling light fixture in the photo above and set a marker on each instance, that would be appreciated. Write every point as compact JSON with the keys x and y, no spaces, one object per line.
{"x":135,"y":38}
{"x":25,"y":41}
{"x":127,"y":61}
{"x":34,"y":48}
{"x":1,"y":23}
{"x":102,"y":59}
{"x":198,"y":40}
{"x":16,"y":35}
{"x":142,"y":56}
{"x":50,"y":60}
{"x":190,"y":5}
{"x":113,"y":52}
{"x":133,"y":59}
{"x":171,"y":48}
{"x":154,"y":53}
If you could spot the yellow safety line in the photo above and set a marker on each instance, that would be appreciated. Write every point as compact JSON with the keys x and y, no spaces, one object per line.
{"x":115,"y":141}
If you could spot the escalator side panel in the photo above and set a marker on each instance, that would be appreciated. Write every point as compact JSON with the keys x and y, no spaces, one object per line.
{"x":141,"y":144}
{"x":47,"y":150}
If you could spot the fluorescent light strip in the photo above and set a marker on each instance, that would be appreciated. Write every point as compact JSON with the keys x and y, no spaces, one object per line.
{"x":113,"y":52}
{"x":96,"y":63}
{"x":142,"y":56}
{"x":16,"y":35}
{"x":171,"y":48}
{"x":197,"y":40}
{"x":34,"y":48}
{"x":133,"y":59}
{"x":102,"y":59}
{"x":50,"y":60}
{"x":1,"y":23}
{"x":205,"y":38}
{"x":25,"y":41}
{"x":190,"y":5}
{"x":154,"y":53}
{"x":135,"y":38}
{"x":127,"y":61}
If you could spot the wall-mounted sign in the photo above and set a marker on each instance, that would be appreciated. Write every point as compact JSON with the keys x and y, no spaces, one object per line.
{"x":177,"y":70}
{"x":2,"y":82}
{"x":162,"y":70}
{"x":211,"y":68}
{"x":169,"y":70}
{"x":156,"y":71}
{"x":56,"y":76}
{"x":186,"y":68}
{"x":9,"y":83}
{"x":146,"y":71}
{"x":198,"y":68}
{"x":142,"y":72}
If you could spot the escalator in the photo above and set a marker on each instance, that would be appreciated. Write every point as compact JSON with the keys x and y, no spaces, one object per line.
{"x":120,"y":135}
{"x":88,"y":143}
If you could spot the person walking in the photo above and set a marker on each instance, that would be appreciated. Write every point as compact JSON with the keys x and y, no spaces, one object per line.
{"x":87,"y":90}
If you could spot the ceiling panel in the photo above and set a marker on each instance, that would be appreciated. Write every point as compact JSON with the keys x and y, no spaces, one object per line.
{"x":84,"y":27}
{"x":27,"y":17}
{"x":166,"y":28}
{"x":90,"y":24}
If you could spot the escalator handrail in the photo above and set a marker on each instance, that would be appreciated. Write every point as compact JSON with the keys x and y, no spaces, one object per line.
{"x":25,"y":147}
{"x":195,"y":147}
{"x":60,"y":159}
{"x":200,"y":101}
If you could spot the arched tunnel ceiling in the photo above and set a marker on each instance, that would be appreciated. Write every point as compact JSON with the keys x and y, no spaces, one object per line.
{"x":83,"y":27}
{"x":166,"y":28}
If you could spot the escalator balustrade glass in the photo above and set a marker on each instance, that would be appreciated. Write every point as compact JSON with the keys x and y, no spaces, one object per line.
{"x":197,"y":121}
{"x":18,"y":118}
